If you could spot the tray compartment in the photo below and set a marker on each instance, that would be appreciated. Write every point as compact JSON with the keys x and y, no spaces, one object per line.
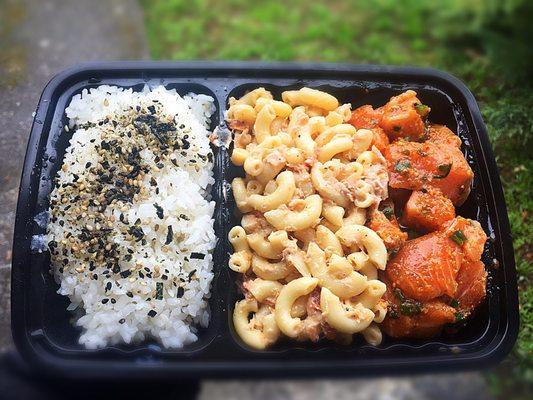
{"x":40,"y":321}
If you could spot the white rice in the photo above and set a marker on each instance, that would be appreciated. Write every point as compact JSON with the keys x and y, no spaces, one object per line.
{"x":159,"y":291}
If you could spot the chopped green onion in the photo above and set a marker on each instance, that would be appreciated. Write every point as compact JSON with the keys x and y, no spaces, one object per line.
{"x":444,"y":169}
{"x":392,"y":311}
{"x":410,"y":307}
{"x":388,"y":212}
{"x":422,"y":109}
{"x":454,"y":303}
{"x":459,"y":316}
{"x":399,"y":294}
{"x":458,"y":237}
{"x":412,"y":234}
{"x":402,"y":165}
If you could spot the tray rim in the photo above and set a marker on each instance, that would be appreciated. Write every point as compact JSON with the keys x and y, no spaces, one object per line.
{"x":491,"y":354}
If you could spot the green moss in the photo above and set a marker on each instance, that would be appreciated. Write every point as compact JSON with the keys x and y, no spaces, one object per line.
{"x":13,"y":58}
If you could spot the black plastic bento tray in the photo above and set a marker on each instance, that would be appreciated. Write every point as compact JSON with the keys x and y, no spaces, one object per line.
{"x":41,"y":323}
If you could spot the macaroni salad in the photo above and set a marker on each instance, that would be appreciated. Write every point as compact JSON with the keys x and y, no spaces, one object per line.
{"x":309,"y":264}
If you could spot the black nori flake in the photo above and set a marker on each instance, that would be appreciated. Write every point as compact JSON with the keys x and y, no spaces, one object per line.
{"x":170,"y":235}
{"x":153,"y":182}
{"x":151,"y":109}
{"x":137,"y":232}
{"x":121,"y":321}
{"x":191,"y":274}
{"x":104,"y":301}
{"x":114,"y":193}
{"x":198,"y":256}
{"x":129,"y":294}
{"x":180,"y":292}
{"x":108,"y":286}
{"x":159,"y":291}
{"x":133,"y":174}
{"x":127,"y":257}
{"x":159,"y":210}
{"x":125,"y":274}
{"x":152,"y":313}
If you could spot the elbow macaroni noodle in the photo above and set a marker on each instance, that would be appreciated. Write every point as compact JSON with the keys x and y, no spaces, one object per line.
{"x":305,"y":253}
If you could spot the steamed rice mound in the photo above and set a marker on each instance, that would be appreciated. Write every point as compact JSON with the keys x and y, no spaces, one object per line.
{"x":131,"y":229}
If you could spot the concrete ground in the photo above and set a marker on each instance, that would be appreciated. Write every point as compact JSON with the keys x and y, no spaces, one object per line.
{"x":39,"y":38}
